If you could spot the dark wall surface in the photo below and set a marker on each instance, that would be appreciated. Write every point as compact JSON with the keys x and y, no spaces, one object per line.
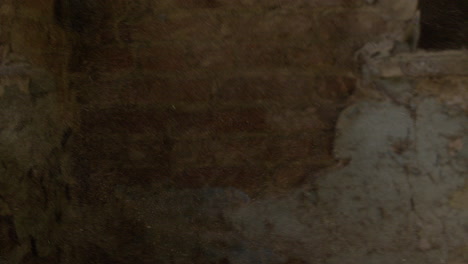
{"x":444,"y":24}
{"x":205,"y":131}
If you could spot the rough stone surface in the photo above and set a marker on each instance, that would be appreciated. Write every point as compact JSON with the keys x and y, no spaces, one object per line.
{"x":205,"y":131}
{"x":33,"y":180}
{"x":399,"y":197}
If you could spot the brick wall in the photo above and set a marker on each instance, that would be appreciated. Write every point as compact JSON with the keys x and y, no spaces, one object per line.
{"x":31,"y":37}
{"x":34,"y":137}
{"x":215,"y":93}
{"x":177,"y":93}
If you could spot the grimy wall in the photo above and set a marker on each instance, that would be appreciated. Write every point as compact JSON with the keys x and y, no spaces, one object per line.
{"x":213,"y":93}
{"x":35,"y":120}
{"x":204,"y":131}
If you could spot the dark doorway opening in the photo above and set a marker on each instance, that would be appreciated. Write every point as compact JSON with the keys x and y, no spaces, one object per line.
{"x":444,"y":24}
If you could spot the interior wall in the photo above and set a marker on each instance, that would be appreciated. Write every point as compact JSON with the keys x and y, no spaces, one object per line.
{"x":216,"y":93}
{"x":35,"y":133}
{"x":444,"y":24}
{"x":221,"y":95}
{"x":205,"y":131}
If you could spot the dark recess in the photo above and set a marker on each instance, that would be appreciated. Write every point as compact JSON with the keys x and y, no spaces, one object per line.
{"x":32,"y":241}
{"x":444,"y":24}
{"x":76,"y":15}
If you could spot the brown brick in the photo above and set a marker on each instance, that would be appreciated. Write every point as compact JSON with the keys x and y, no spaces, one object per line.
{"x":29,"y":39}
{"x":192,"y":124}
{"x":121,"y":120}
{"x":102,"y":93}
{"x":3,"y":49}
{"x":103,"y":147}
{"x":147,"y":152}
{"x":220,"y":152}
{"x":289,"y":176}
{"x":198,"y":3}
{"x":145,"y":90}
{"x":192,"y":26}
{"x":336,"y":88}
{"x":289,"y":149}
{"x":278,"y":54}
{"x":249,"y":151}
{"x":241,"y":151}
{"x":169,"y":90}
{"x":263,"y":3}
{"x":242,"y":120}
{"x":296,"y":148}
{"x":37,"y":9}
{"x":288,"y":26}
{"x":322,"y":144}
{"x":342,"y":33}
{"x":293,"y":121}
{"x":248,"y":88}
{"x":143,"y":176}
{"x":247,"y":178}
{"x":209,"y":123}
{"x":165,"y":58}
{"x":363,"y":23}
{"x":227,"y":55}
{"x":110,"y":59}
{"x":110,"y":173}
{"x":289,"y":89}
{"x":256,"y":53}
{"x":193,"y":154}
{"x":328,"y":112}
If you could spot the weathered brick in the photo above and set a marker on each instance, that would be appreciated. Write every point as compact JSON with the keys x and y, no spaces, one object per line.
{"x":293,"y":121}
{"x":342,"y":33}
{"x":328,"y":113}
{"x":209,"y":123}
{"x":248,"y":151}
{"x":29,"y":39}
{"x":168,"y":90}
{"x":165,"y":58}
{"x":143,"y":176}
{"x":336,"y":88}
{"x":108,"y":174}
{"x":121,"y":120}
{"x":240,"y":120}
{"x":258,"y":3}
{"x":147,"y":152}
{"x":270,"y":53}
{"x":197,"y":3}
{"x":219,"y":152}
{"x":248,"y":88}
{"x":288,"y":149}
{"x":288,"y":89}
{"x":322,"y":144}
{"x":110,"y":59}
{"x":247,"y":178}
{"x":230,"y":55}
{"x":3,"y":50}
{"x":289,"y":176}
{"x":192,"y":124}
{"x":193,"y":154}
{"x":255,"y":53}
{"x":37,"y":9}
{"x":242,"y":151}
{"x":281,"y":25}
{"x":299,"y":147}
{"x":97,"y":90}
{"x":192,"y":26}
{"x":104,"y":147}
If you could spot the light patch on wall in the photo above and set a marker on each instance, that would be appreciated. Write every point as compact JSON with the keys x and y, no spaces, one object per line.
{"x":21,"y":82}
{"x":460,"y":199}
